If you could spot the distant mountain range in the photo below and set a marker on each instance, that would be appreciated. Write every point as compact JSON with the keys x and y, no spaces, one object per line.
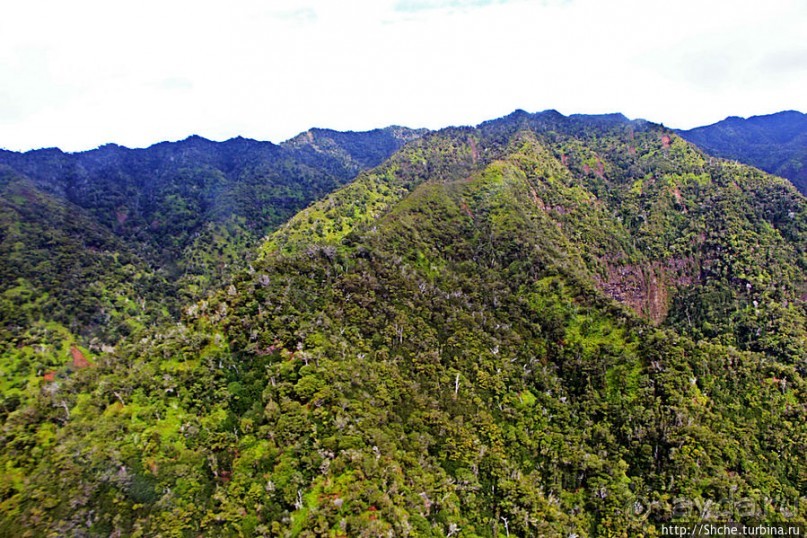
{"x":776,"y":143}
{"x":544,"y":325}
{"x":176,"y":218}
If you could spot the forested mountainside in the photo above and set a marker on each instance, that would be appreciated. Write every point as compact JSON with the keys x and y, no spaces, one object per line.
{"x":163,"y":199}
{"x":542,"y":326}
{"x":348,"y":153}
{"x":776,"y":143}
{"x":96,"y":245}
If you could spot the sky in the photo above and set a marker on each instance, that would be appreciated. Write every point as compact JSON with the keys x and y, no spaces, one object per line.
{"x":83,"y":73}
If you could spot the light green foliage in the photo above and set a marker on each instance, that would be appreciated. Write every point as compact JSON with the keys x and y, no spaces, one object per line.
{"x":466,"y":341}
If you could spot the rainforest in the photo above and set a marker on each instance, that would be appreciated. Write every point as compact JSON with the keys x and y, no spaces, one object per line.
{"x":543,"y":325}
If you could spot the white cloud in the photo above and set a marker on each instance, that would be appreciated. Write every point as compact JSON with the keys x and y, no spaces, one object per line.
{"x":78,"y":74}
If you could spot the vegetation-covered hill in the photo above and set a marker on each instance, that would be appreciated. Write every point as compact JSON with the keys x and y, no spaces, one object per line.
{"x":776,"y":143}
{"x":163,"y":198}
{"x":95,"y":245}
{"x":189,"y":210}
{"x":348,"y":153}
{"x":542,"y":326}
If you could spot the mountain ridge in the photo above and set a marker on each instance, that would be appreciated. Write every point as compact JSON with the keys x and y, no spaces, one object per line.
{"x":102,"y":243}
{"x":477,"y":278}
{"x":776,"y":143}
{"x":542,"y":325}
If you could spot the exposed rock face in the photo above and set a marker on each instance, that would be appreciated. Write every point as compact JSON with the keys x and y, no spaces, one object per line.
{"x":648,"y":288}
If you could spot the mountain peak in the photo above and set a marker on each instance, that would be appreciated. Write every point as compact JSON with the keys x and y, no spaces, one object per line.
{"x":351,"y":150}
{"x":536,"y":323}
{"x":772,"y":142}
{"x":611,"y":117}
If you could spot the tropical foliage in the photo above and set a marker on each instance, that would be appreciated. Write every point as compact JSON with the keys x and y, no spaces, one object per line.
{"x":543,"y":326}
{"x":776,"y":143}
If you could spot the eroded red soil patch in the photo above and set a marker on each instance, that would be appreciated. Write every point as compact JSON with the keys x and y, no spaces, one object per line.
{"x":79,"y":360}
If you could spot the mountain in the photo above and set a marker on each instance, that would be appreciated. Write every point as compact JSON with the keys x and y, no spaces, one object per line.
{"x":161,"y":196}
{"x":540,"y":326}
{"x":190,"y":209}
{"x":776,"y":143}
{"x":350,"y":152}
{"x":100,"y":244}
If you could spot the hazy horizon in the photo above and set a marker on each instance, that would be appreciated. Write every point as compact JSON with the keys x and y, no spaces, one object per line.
{"x":82,"y":74}
{"x":278,"y":142}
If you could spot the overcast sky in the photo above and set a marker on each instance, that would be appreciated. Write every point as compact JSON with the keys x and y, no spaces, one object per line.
{"x":80,"y":73}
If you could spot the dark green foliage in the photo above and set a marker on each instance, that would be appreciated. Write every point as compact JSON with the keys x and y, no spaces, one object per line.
{"x":99,"y":246}
{"x":107,"y":241}
{"x":545,"y":326}
{"x":159,"y":200}
{"x":345,"y":154}
{"x":776,"y":143}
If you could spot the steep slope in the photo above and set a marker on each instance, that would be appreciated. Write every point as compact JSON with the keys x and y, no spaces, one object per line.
{"x":99,"y":244}
{"x":189,"y":210}
{"x":60,"y":264}
{"x":348,"y":153}
{"x":67,"y":281}
{"x":161,"y":198}
{"x":486,"y":335}
{"x":776,"y":143}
